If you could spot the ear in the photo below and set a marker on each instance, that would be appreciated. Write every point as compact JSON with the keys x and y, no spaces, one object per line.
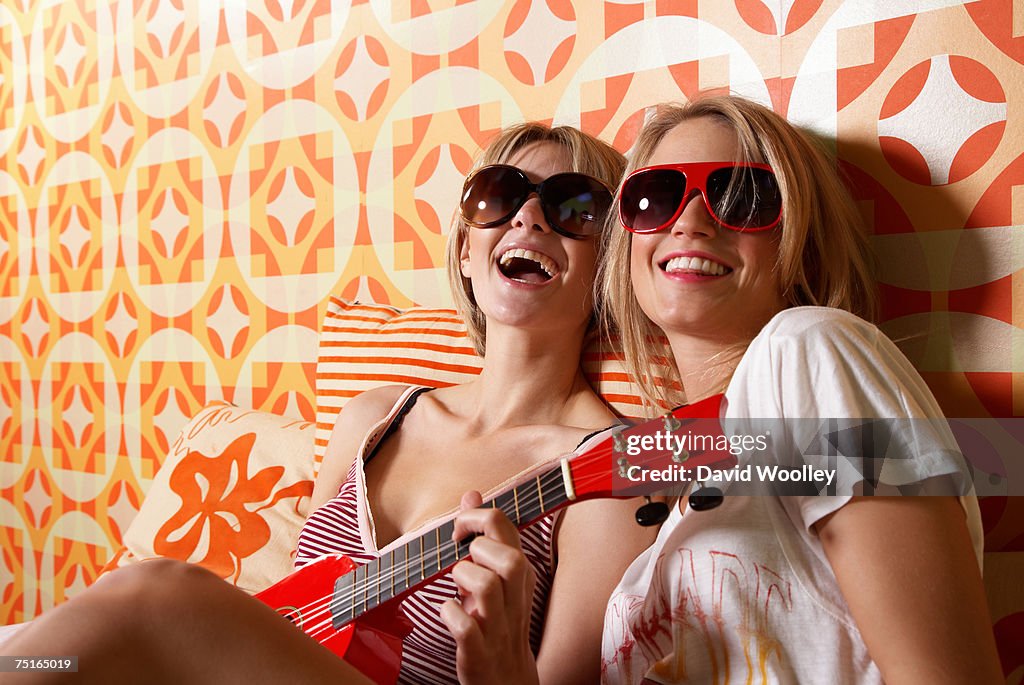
{"x":464,"y":258}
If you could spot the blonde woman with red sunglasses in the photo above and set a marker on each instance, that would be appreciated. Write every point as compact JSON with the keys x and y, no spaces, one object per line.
{"x":522,"y":258}
{"x":738,"y":243}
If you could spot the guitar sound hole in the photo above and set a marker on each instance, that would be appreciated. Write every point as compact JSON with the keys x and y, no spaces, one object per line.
{"x":292,"y":615}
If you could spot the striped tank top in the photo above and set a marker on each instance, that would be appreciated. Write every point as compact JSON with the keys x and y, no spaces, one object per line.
{"x":343,"y":526}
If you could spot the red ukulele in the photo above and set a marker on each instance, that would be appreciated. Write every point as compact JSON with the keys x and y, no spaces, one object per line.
{"x":353,"y":610}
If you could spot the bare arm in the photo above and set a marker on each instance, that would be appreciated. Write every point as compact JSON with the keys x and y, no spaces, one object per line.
{"x":907,"y":570}
{"x":597,"y":541}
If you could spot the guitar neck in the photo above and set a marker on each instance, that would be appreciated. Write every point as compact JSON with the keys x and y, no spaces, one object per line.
{"x":419,"y":560}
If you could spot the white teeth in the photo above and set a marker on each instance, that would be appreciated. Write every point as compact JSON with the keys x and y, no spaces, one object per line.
{"x":704,"y":266}
{"x":546,"y":263}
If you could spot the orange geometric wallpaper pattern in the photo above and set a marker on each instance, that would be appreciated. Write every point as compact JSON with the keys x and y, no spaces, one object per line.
{"x":185,"y":183}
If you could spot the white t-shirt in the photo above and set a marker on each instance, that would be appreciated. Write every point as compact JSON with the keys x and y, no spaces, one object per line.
{"x":744,"y":593}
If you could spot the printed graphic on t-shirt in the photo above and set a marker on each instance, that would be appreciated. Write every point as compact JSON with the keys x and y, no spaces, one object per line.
{"x":708,"y":616}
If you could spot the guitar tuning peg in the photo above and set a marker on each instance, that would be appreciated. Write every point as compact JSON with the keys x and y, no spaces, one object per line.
{"x":705,"y":497}
{"x":652,"y":513}
{"x":671,"y":422}
{"x":619,"y":442}
{"x":623,"y":467}
{"x":680,"y":455}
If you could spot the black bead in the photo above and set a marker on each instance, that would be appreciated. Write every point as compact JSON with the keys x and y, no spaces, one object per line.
{"x":652,"y":514}
{"x":705,"y":499}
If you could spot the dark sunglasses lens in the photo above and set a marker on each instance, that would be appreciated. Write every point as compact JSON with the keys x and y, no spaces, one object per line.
{"x":650,"y":198}
{"x":492,"y":195}
{"x":744,"y":197}
{"x":576,"y":203}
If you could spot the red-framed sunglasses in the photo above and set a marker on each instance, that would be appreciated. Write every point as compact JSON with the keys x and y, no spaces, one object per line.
{"x":738,"y":196}
{"x":574,"y":205}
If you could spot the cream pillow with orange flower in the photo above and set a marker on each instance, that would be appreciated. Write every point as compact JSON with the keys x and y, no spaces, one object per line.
{"x":230,"y":496}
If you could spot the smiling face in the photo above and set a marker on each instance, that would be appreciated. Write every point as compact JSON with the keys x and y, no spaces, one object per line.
{"x":697,"y":278}
{"x":524,"y":274}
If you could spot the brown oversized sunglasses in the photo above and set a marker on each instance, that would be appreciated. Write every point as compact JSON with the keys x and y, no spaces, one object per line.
{"x":574,"y":204}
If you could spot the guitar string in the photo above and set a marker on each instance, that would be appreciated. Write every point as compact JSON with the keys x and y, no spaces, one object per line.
{"x":548,"y":479}
{"x":371,"y":587}
{"x":321,"y":606}
{"x":552,"y":477}
{"x":327,"y":625}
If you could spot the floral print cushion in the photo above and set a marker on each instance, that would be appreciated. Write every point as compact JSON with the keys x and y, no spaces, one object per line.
{"x":230,"y":496}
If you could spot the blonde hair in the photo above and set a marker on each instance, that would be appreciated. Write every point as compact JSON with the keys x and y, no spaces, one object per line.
{"x":587,"y":155}
{"x":824,"y":257}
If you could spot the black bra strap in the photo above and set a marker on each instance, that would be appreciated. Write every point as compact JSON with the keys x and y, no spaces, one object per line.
{"x":396,"y":422}
{"x":588,"y":436}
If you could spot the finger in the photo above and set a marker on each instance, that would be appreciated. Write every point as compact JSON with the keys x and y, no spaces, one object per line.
{"x":506,"y":561}
{"x":513,"y":575}
{"x":464,"y":629}
{"x":517,"y":575}
{"x":484,"y":596}
{"x":490,"y":522}
{"x":471,"y":657}
{"x":471,"y":499}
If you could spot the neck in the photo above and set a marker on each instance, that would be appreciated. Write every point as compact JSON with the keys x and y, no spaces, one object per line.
{"x":705,"y":366}
{"x":528,"y":377}
{"x":706,"y":359}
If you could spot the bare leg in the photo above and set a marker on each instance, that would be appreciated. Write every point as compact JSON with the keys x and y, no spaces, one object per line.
{"x":164,"y":621}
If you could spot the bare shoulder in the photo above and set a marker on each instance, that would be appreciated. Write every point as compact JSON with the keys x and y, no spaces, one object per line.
{"x":361,"y":412}
{"x":598,"y":408}
{"x":353,"y":423}
{"x":589,"y":413}
{"x":370,"y":406}
{"x":606,"y":522}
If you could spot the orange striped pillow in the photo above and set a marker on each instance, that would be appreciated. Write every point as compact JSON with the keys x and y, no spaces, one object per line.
{"x":364,"y":346}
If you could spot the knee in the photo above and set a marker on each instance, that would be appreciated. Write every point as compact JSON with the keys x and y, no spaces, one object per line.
{"x":146,"y":576}
{"x":158,"y":587}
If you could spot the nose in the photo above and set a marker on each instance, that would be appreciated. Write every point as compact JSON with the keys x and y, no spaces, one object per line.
{"x":531,"y":216}
{"x":695,"y":221}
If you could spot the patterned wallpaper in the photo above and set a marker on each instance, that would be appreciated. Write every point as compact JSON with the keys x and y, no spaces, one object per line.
{"x":184,"y":183}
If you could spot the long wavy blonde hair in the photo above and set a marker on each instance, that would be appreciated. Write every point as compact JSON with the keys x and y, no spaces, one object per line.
{"x":824,"y":258}
{"x":587,"y":155}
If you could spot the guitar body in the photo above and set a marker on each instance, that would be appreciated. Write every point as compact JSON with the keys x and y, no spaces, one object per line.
{"x":372,"y":643}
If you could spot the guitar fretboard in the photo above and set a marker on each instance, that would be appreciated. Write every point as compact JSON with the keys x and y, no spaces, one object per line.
{"x":415,"y":562}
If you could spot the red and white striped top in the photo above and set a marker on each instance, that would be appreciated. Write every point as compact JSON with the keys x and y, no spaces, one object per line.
{"x":341,"y":526}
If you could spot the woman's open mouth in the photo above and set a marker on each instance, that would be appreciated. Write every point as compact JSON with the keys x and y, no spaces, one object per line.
{"x":527,"y":266}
